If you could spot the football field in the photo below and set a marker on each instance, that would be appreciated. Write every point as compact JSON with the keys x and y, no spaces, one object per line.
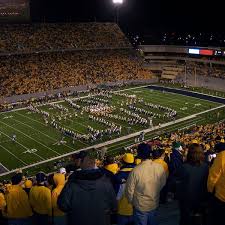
{"x":29,"y":137}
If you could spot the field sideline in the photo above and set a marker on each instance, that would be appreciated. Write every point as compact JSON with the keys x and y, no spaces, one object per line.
{"x":36,"y":142}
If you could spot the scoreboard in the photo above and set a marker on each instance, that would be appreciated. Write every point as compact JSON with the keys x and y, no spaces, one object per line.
{"x":206,"y":52}
{"x":14,"y":11}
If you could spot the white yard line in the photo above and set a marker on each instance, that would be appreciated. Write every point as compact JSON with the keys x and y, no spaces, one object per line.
{"x":40,"y":132}
{"x":119,"y":139}
{"x":20,"y":145}
{"x":13,"y":155}
{"x":4,"y":167}
{"x":30,"y":138}
{"x":45,"y":125}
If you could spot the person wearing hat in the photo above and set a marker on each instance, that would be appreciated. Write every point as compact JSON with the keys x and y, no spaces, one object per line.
{"x":216,"y":185}
{"x":62,"y":170}
{"x":88,"y":197}
{"x":27,"y":186}
{"x":125,"y":209}
{"x":59,"y":217}
{"x":175,"y":163}
{"x":110,"y":168}
{"x":141,"y":150}
{"x":143,"y":187}
{"x":18,"y":210}
{"x":110,"y":165}
{"x":40,"y":200}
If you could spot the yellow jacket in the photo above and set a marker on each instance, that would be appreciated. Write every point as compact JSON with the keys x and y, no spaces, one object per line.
{"x":124,"y":207}
{"x":40,"y":200}
{"x":216,"y":179}
{"x":17,"y":203}
{"x":112,"y":168}
{"x":164,"y":164}
{"x":2,"y":202}
{"x":59,"y":180}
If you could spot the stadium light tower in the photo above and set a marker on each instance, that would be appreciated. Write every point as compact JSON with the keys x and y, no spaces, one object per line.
{"x":117,"y":4}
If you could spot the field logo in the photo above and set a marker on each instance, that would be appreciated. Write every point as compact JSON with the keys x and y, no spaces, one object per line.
{"x":31,"y":151}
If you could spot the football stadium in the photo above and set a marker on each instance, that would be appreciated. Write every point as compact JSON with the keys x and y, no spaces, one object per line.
{"x":90,"y":116}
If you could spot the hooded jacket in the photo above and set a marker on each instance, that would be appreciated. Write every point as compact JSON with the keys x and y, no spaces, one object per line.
{"x":17,"y":202}
{"x":88,"y":198}
{"x":176,"y":162}
{"x":40,"y":200}
{"x":112,"y":168}
{"x":124,"y":207}
{"x":2,"y":202}
{"x":216,"y":179}
{"x":59,"y":180}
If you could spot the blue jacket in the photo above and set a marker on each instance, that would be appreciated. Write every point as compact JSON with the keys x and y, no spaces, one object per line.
{"x":176,"y":162}
{"x":122,"y":175}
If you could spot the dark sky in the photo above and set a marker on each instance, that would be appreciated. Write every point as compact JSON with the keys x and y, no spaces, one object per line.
{"x":136,"y":15}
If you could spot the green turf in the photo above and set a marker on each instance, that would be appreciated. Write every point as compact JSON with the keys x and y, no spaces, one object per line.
{"x":32,"y":133}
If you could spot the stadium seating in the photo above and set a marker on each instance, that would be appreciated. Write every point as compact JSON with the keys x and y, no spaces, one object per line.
{"x":23,"y":74}
{"x":51,"y":37}
{"x":40,"y":57}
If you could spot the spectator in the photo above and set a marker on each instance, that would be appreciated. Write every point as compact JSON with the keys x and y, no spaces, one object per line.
{"x":143,"y":188}
{"x":110,"y":165}
{"x":216,"y":185}
{"x":40,"y":200}
{"x":27,"y":186}
{"x":2,"y":207}
{"x":159,"y":156}
{"x":176,"y":158}
{"x":192,"y":185}
{"x":175,"y":163}
{"x":88,"y":197}
{"x":18,"y":210}
{"x":59,"y":218}
{"x":125,"y":209}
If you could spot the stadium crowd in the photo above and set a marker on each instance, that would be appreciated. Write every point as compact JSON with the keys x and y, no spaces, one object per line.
{"x":24,"y":74}
{"x":188,"y":166}
{"x":206,"y":70}
{"x":29,"y":38}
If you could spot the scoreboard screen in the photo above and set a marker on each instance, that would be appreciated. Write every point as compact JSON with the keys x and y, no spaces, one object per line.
{"x":14,"y":10}
{"x":196,"y":51}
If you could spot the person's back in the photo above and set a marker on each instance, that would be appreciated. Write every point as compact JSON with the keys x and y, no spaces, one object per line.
{"x":18,"y":209}
{"x":125,"y":209}
{"x":59,"y":217}
{"x":216,"y":178}
{"x":149,"y":178}
{"x":40,"y":200}
{"x":216,"y":185}
{"x":88,"y":196}
{"x":191,"y":185}
{"x":2,"y":208}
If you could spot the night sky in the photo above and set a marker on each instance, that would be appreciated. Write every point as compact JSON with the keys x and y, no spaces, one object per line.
{"x":137,"y":15}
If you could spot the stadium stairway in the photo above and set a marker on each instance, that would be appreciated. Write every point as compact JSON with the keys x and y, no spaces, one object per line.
{"x":168,"y":214}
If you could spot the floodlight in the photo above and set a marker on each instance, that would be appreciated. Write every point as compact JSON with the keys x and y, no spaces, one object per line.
{"x":118,"y":2}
